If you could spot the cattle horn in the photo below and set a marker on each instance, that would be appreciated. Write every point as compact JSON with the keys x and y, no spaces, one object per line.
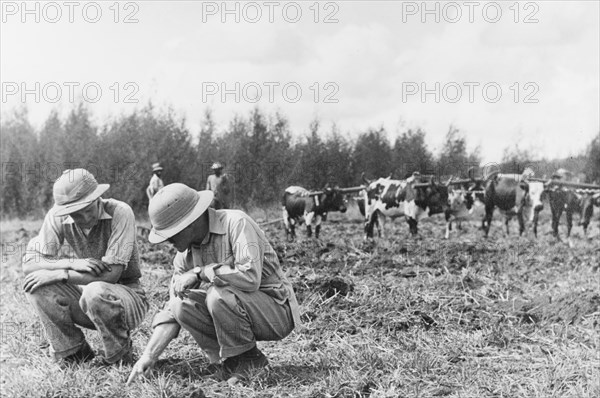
{"x":315,"y":193}
{"x":362,"y":175}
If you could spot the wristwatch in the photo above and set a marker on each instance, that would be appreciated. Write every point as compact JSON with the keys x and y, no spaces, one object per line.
{"x":198,"y":271}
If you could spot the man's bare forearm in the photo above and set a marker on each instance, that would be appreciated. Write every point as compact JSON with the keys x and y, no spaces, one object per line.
{"x":160,"y":339}
{"x":83,"y":278}
{"x":42,"y":263}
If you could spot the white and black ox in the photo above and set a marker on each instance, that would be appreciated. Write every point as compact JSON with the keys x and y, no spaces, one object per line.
{"x":563,"y":195}
{"x":465,"y":203}
{"x":301,"y":205}
{"x":411,"y":198}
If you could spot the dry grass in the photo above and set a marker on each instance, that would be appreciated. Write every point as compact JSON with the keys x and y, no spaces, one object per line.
{"x":403,"y":317}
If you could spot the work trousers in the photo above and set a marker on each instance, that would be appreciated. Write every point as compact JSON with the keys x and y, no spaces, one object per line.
{"x":226,"y":322}
{"x":112,"y":309}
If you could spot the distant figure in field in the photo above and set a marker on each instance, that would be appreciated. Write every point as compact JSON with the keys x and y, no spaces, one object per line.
{"x":219,"y":183}
{"x":98,"y":286}
{"x":156,"y":182}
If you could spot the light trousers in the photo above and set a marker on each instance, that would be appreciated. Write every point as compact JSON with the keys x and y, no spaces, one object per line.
{"x":226,"y":322}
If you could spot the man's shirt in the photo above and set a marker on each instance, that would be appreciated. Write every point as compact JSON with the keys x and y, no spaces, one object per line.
{"x":112,"y":240}
{"x":220,"y":186}
{"x":237,"y":252}
{"x":155,"y":184}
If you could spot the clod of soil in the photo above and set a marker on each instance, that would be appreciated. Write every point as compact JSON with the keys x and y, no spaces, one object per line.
{"x":336,"y":285}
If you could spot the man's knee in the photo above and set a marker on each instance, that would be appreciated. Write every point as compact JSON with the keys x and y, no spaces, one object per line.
{"x":183,"y":311}
{"x":43,"y":296}
{"x":215,"y":299}
{"x":176,"y":307}
{"x":94,"y":295}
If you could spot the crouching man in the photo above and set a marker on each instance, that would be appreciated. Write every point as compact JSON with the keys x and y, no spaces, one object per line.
{"x":97,"y":288}
{"x":228,"y":290}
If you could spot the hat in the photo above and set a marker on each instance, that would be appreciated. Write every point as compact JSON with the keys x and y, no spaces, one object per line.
{"x":175,"y":207}
{"x":74,"y":190}
{"x":156,"y":167}
{"x":216,"y":165}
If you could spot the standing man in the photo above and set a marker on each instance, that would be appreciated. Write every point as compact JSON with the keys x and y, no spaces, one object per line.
{"x":219,"y":184}
{"x":156,"y":182}
{"x":98,"y":287}
{"x":228,"y":290}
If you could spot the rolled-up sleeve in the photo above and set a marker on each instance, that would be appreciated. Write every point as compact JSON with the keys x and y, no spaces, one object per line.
{"x":122,"y":238}
{"x":48,"y":242}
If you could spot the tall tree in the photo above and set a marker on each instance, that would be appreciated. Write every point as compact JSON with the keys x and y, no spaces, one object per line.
{"x":80,"y":140}
{"x":338,"y":155}
{"x":372,"y":154}
{"x":51,"y":155}
{"x":592,"y":166}
{"x":312,"y":158}
{"x":21,"y":170}
{"x":454,"y":160}
{"x":410,"y":153}
{"x":206,"y":146}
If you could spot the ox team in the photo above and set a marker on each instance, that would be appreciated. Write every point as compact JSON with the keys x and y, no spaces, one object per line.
{"x":515,"y":195}
{"x":522,"y":196}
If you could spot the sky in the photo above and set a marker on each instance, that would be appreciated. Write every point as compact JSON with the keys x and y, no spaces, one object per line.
{"x":506,"y":74}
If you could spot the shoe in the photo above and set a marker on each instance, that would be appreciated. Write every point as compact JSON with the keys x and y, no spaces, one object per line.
{"x":84,"y":354}
{"x":238,"y":367}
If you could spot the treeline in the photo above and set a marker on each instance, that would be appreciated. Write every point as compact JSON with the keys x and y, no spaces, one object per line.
{"x":259,"y":152}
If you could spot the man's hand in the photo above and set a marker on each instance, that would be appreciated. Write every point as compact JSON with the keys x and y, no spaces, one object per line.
{"x":90,"y":265}
{"x":141,"y":368}
{"x":37,"y":279}
{"x":183,"y":283}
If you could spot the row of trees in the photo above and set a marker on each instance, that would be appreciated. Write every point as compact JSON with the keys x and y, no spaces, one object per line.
{"x":259,"y":151}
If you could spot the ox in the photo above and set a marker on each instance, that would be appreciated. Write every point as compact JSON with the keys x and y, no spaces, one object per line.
{"x":510,"y":194}
{"x":408,"y":198}
{"x":562,"y":199}
{"x":298,"y":204}
{"x":464,"y":204}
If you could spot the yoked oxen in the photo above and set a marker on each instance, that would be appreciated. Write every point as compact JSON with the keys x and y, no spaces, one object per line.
{"x":465,"y":203}
{"x":301,"y":205}
{"x":510,"y":194}
{"x":563,"y":196}
{"x":410,"y":198}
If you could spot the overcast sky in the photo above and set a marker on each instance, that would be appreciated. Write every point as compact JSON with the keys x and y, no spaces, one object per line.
{"x":368,"y":65}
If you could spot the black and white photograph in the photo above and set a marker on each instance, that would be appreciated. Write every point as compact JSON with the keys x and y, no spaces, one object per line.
{"x":311,"y":198}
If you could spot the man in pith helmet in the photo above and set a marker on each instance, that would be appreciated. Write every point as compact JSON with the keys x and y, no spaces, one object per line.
{"x":228,"y":289}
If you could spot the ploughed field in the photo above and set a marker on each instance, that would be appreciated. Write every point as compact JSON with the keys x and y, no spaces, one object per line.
{"x":394,"y":317}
